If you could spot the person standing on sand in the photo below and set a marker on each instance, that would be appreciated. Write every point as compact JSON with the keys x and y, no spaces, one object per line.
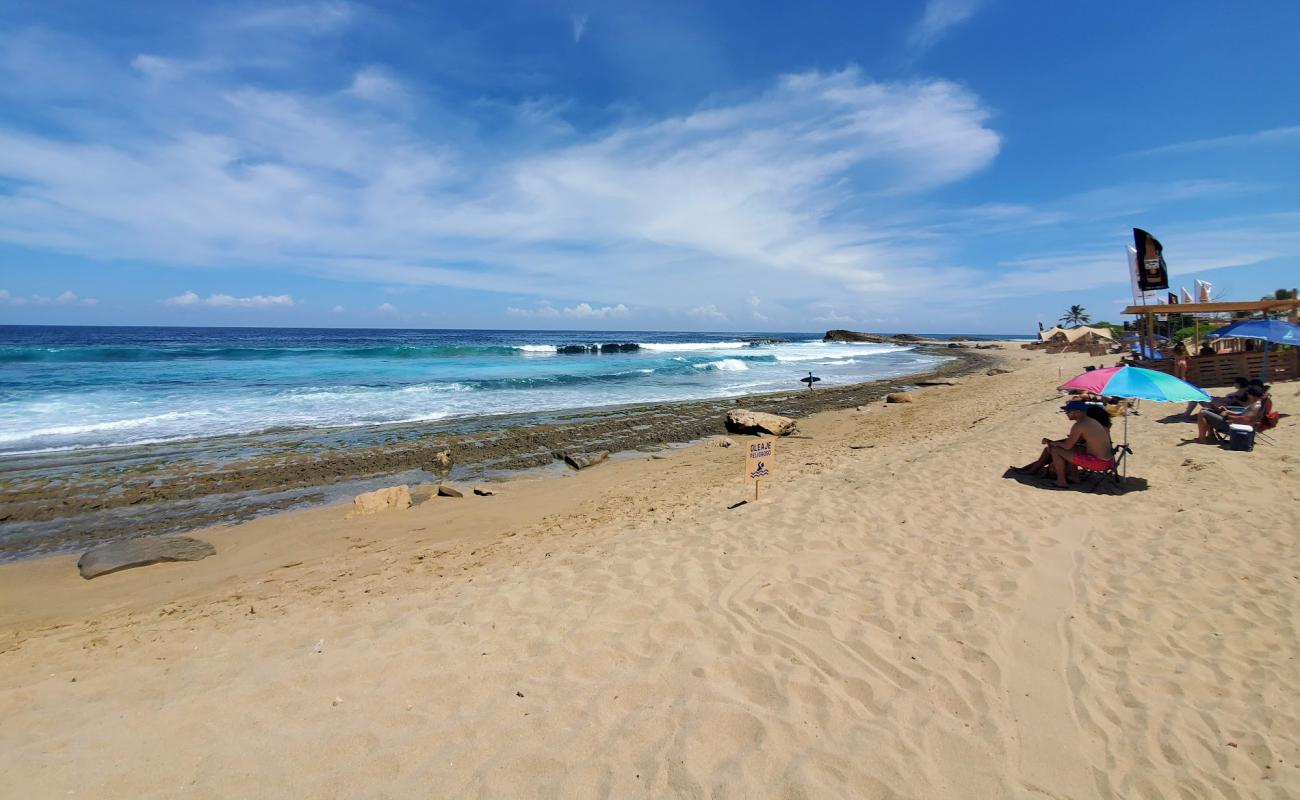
{"x":1180,"y":361}
{"x":1096,"y":453}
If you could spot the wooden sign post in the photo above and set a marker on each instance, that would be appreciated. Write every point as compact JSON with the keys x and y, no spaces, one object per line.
{"x":760,"y":460}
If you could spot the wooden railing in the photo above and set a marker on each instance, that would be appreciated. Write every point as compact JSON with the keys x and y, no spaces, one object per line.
{"x":1219,"y":370}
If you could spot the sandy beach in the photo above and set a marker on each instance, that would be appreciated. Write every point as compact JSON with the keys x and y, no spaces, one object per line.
{"x":893,"y":618}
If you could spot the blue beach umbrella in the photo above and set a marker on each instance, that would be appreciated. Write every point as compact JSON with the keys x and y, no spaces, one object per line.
{"x":1275,"y":331}
{"x":1269,"y":330}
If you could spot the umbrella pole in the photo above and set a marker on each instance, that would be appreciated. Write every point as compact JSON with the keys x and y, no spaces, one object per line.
{"x":1124,"y":477}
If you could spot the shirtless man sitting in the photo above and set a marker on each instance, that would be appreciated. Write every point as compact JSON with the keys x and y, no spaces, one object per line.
{"x":1087,"y":445}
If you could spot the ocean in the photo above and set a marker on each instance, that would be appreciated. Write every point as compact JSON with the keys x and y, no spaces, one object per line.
{"x":79,"y":388}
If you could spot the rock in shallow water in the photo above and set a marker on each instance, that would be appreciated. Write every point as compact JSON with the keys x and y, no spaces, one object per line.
{"x":141,"y":552}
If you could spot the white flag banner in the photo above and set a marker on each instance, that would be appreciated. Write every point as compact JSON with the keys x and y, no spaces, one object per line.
{"x":1203,"y":291}
{"x":1187,"y":296}
{"x":1133,"y":272}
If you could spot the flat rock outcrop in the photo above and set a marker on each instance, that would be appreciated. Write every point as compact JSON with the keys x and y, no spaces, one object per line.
{"x":396,"y":497}
{"x":855,"y":336}
{"x":141,"y":552}
{"x":740,"y":420}
{"x":445,"y":490}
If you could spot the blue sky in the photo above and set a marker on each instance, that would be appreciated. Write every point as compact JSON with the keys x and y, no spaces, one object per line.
{"x":951,"y":165}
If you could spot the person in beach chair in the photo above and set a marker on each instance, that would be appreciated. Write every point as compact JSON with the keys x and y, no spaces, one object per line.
{"x":1087,"y":446}
{"x":1209,"y":423}
{"x":1234,"y":398}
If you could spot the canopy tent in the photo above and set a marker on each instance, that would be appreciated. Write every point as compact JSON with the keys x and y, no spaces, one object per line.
{"x":1072,"y":335}
{"x":1049,"y":333}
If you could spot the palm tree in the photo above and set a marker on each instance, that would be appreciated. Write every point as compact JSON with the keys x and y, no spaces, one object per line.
{"x":1076,"y":316}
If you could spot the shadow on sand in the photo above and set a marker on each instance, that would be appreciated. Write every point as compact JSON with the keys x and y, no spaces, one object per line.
{"x":1089,"y":485}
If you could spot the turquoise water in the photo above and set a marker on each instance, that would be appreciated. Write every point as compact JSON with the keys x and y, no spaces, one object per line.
{"x":69,"y":388}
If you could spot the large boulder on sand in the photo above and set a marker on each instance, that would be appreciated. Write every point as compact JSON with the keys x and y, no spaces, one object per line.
{"x":584,"y":460}
{"x":141,"y":552}
{"x":898,"y":397}
{"x":398,"y":497}
{"x":741,"y":421}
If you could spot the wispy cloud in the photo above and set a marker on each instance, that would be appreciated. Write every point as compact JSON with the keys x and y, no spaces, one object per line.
{"x":579,"y":24}
{"x":709,"y":313}
{"x":67,"y":298}
{"x":230,"y":301}
{"x":798,"y":179}
{"x":323,"y":17}
{"x":939,"y":17}
{"x":1271,"y":136}
{"x":580,"y":311}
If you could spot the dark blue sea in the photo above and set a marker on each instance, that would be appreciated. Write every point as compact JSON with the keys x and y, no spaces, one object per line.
{"x":64,"y":388}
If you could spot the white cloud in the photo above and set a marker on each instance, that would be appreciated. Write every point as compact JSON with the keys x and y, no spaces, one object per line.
{"x":832,"y":316}
{"x":939,"y":17}
{"x":376,"y":85}
{"x":709,"y":312}
{"x":310,"y":17}
{"x":338,"y":309}
{"x":387,"y":308}
{"x":64,"y":299}
{"x":157,"y":67}
{"x":579,"y":24}
{"x":586,"y":311}
{"x":580,"y":311}
{"x":796,"y":184}
{"x":229,"y":301}
{"x":1270,"y":136}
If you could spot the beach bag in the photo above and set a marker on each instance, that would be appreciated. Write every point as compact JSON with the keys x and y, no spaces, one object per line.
{"x":1241,"y":437}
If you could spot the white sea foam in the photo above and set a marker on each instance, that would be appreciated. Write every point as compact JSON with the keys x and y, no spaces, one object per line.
{"x":96,"y":427}
{"x":536,"y":348}
{"x":725,"y":365}
{"x":679,"y":347}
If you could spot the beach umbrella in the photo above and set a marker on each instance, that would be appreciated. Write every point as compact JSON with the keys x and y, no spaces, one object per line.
{"x":1265,"y":330}
{"x":1135,"y":383}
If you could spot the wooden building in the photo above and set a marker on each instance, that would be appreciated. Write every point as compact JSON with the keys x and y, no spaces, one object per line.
{"x":1221,"y":368}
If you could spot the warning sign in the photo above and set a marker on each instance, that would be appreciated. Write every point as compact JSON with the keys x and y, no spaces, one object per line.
{"x":760,"y":460}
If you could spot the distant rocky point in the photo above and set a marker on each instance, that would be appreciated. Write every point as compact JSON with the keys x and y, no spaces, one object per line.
{"x":874,"y":338}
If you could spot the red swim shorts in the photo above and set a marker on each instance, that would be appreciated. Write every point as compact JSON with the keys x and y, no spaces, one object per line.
{"x":1089,"y":461}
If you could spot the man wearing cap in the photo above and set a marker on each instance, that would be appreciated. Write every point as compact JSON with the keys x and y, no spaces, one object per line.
{"x":1087,"y":445}
{"x":1096,"y":453}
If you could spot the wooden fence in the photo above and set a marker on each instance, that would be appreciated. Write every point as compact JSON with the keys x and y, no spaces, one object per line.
{"x":1219,"y":370}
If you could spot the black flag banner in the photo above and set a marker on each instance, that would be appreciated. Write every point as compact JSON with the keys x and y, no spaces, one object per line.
{"x":1152,"y":274}
{"x":1173,"y":299}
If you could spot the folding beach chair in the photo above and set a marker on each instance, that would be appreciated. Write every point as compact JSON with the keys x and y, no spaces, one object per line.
{"x":1114,"y":474}
{"x":1267,"y":421}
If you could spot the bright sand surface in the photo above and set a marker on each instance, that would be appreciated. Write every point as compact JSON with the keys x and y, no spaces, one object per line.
{"x":893,"y":618}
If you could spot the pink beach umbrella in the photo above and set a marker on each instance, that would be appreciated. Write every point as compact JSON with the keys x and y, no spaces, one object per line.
{"x":1135,"y":382}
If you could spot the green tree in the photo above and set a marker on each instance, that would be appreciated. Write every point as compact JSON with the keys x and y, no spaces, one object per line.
{"x":1077,"y":315}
